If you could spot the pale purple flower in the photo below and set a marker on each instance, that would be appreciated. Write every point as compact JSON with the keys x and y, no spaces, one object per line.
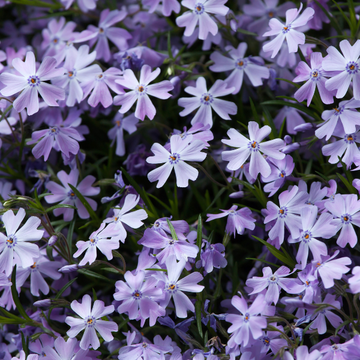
{"x":22,"y":356}
{"x":239,"y":65}
{"x":66,"y":195}
{"x":346,"y":65}
{"x":345,"y":114}
{"x":5,"y":129}
{"x":200,"y":11}
{"x":90,"y":320}
{"x":173,"y":287}
{"x":206,"y":100}
{"x":66,"y":350}
{"x":124,"y":216}
{"x":140,"y":91}
{"x":238,"y":220}
{"x":287,"y":31}
{"x":302,"y":352}
{"x":274,"y":282}
{"x":168,"y":6}
{"x":316,"y":194}
{"x":212,"y":256}
{"x":104,"y":239}
{"x":16,"y":241}
{"x":84,"y":5}
{"x":310,"y":285}
{"x":354,"y":281}
{"x":292,"y":117}
{"x":31,"y":83}
{"x":252,"y":148}
{"x":315,"y":78}
{"x":180,"y":151}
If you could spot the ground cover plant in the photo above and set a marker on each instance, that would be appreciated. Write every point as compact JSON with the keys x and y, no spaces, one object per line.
{"x":179,"y":179}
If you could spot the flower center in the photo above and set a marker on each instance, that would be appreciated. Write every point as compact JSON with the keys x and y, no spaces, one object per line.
{"x":11,"y":241}
{"x":171,"y":288}
{"x":286,"y":29}
{"x":253,"y":146}
{"x":55,"y":40}
{"x":270,"y":14}
{"x":137,"y":295}
{"x":174,"y":158}
{"x":141,"y":90}
{"x":33,"y":81}
{"x":273,"y":278}
{"x":241,"y":64}
{"x":101,"y":30}
{"x":100,"y":77}
{"x":306,"y":236}
{"x":246,"y":317}
{"x":266,"y":341}
{"x":199,"y":9}
{"x":282,"y":174}
{"x":283,"y":212}
{"x":90,"y":322}
{"x":72,"y":74}
{"x":350,"y":138}
{"x":53,"y":130}
{"x":352,"y":67}
{"x":346,"y":219}
{"x":206,"y":99}
{"x":72,"y":195}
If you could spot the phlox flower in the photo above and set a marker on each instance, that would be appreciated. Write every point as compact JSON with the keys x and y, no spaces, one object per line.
{"x":66,"y":350}
{"x":173,"y":287}
{"x":200,"y":11}
{"x":249,"y":324}
{"x":287,"y":31}
{"x":310,"y":284}
{"x":139,"y":296}
{"x":354,"y":281}
{"x":66,"y":195}
{"x":90,"y":320}
{"x":302,"y":352}
{"x":31,"y":83}
{"x":315,"y":78}
{"x":181,"y":150}
{"x":84,"y":5}
{"x":346,"y":66}
{"x":140,"y":91}
{"x":212,"y":256}
{"x":22,"y":356}
{"x":238,"y":220}
{"x":14,"y":246}
{"x":240,"y":65}
{"x":124,"y":216}
{"x":252,"y":148}
{"x":206,"y":100}
{"x":316,"y":193}
{"x":292,"y":116}
{"x":104,"y":239}
{"x":274,"y":282}
{"x":168,"y":6}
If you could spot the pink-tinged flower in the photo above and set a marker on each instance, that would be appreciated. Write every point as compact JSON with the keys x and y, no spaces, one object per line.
{"x":67,"y":196}
{"x":274,"y":282}
{"x":91,"y":321}
{"x":200,"y":11}
{"x":173,"y":287}
{"x":249,"y":325}
{"x":302,"y":352}
{"x":239,"y":65}
{"x":181,"y":151}
{"x":168,"y":6}
{"x":252,"y":148}
{"x":104,"y":239}
{"x":22,"y":356}
{"x":207,"y":100}
{"x":287,"y":31}
{"x":310,"y":284}
{"x":84,"y":5}
{"x":132,"y":219}
{"x":14,"y":246}
{"x":238,"y":220}
{"x":315,"y":78}
{"x":140,"y":90}
{"x":354,"y":281}
{"x":76,"y":71}
{"x":139,"y":296}
{"x":346,"y":212}
{"x":66,"y":350}
{"x":346,"y":66}
{"x":329,"y":268}
{"x":345,"y":114}
{"x":212,"y":256}
{"x":31,"y":83}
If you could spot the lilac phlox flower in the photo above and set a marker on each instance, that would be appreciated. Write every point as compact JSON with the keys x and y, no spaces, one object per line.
{"x":136,"y":161}
{"x":238,"y":220}
{"x":22,"y":356}
{"x":105,"y":31}
{"x":173,"y":287}
{"x":124,"y":216}
{"x":247,"y":326}
{"x":292,"y":117}
{"x":140,"y":91}
{"x":347,"y":351}
{"x":287,"y":31}
{"x":345,"y":114}
{"x":240,"y":65}
{"x":274,"y":282}
{"x":206,"y":100}
{"x":91,"y":321}
{"x":6,"y":299}
{"x":76,"y":71}
{"x":313,"y":228}
{"x":316,"y":194}
{"x":14,"y":246}
{"x":212,"y":256}
{"x":200,"y":11}
{"x":252,"y":148}
{"x":139,"y":297}
{"x":319,"y":319}
{"x":168,"y":6}
{"x":136,"y":57}
{"x":55,"y":36}
{"x":320,"y":15}
{"x":271,"y":341}
{"x":67,"y":196}
{"x":104,"y":239}
{"x":354,"y":281}
{"x":99,"y":84}
{"x":38,"y":346}
{"x":84,"y":5}
{"x":181,"y":227}
{"x":315,"y":77}
{"x":181,"y":328}
{"x":116,"y":134}
{"x":346,"y":212}
{"x":5,"y":191}
{"x":169,"y":246}
{"x":346,"y":148}
{"x":302,"y":352}
{"x":329,"y":268}
{"x":41,"y":267}
{"x":310,"y":284}
{"x":31,"y":83}
{"x":280,"y":170}
{"x":180,"y":151}
{"x":5,"y":129}
{"x":346,"y":66}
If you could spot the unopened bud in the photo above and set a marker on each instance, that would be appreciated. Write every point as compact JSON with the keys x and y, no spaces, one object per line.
{"x":287,"y":139}
{"x":52,"y":241}
{"x":42,"y":303}
{"x":303,"y":127}
{"x":290,"y":148}
{"x":69,"y":268}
